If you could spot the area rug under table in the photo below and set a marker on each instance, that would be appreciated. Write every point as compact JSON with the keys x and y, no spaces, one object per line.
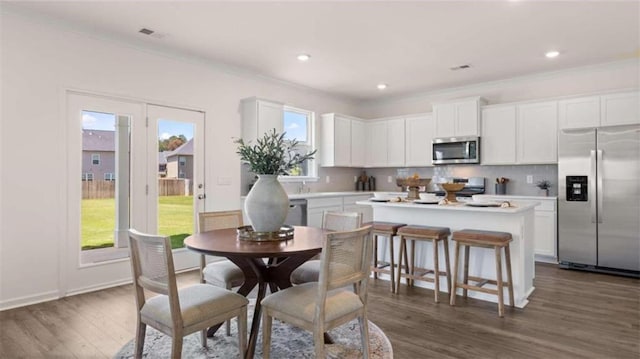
{"x":286,"y":342}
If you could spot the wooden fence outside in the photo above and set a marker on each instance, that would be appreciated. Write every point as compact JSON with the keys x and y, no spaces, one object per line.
{"x":166,"y":187}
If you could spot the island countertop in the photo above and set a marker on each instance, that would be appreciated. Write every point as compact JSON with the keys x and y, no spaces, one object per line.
{"x":516,"y":207}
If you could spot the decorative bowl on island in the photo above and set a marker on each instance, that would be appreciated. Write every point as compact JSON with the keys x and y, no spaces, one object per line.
{"x":451,"y":189}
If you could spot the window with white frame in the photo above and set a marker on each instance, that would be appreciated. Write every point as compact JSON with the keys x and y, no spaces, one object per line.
{"x":182,"y":160}
{"x":87,"y":176}
{"x":298,"y":125}
{"x":95,"y":159}
{"x":109,"y":176}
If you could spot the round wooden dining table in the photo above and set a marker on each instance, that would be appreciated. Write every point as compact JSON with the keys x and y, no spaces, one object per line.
{"x":284,"y":256}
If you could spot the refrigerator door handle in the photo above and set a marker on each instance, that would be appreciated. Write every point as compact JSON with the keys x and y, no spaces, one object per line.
{"x":599,"y":189}
{"x":592,"y":186}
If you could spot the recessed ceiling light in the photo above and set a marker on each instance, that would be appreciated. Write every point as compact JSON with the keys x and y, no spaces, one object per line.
{"x":304,"y":57}
{"x":552,"y":54}
{"x":382,"y":86}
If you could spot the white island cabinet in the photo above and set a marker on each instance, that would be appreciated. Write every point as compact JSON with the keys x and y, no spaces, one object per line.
{"x":518,"y":220}
{"x":546,"y":227}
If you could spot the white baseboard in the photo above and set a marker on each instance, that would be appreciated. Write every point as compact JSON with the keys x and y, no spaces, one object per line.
{"x":55,"y":295}
{"x":29,"y":300}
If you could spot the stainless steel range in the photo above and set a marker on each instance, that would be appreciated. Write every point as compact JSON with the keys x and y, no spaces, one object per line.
{"x":472,"y":185}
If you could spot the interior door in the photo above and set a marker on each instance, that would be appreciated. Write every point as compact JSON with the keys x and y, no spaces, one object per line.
{"x":619,"y":197}
{"x":175,"y":171}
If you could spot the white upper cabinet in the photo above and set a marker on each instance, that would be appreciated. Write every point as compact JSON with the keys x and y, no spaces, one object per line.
{"x":395,"y":142}
{"x":537,"y":133}
{"x":419,"y":131}
{"x":260,"y":116}
{"x":498,"y":141}
{"x":336,"y":140}
{"x":376,"y":144}
{"x":385,"y":143}
{"x":458,"y":118}
{"x":445,"y":119}
{"x":579,"y":112}
{"x":358,"y":143}
{"x":596,"y":111}
{"x":620,"y":109}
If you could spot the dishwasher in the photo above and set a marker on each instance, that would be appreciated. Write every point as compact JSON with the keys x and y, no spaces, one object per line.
{"x":297,"y":215}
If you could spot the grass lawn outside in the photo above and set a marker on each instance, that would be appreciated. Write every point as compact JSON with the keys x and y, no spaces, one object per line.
{"x":99,"y":220}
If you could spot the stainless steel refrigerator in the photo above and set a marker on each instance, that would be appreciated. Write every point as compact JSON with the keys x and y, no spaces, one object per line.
{"x":599,"y":199}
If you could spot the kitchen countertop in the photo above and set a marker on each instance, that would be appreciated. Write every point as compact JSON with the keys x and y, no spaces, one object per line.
{"x":325,"y":194}
{"x":541,"y":198}
{"x":460,"y":206}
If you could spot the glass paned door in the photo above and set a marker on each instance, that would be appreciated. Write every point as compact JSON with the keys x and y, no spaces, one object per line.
{"x":177,"y":182}
{"x":100,"y":155}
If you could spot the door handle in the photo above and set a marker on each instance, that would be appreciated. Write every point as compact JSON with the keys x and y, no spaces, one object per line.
{"x":202,"y":196}
{"x":599,"y":184}
{"x":592,"y":186}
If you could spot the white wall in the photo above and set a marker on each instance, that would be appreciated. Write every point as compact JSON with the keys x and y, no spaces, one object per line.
{"x":39,"y":62}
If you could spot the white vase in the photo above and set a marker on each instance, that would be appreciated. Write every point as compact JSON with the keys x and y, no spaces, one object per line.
{"x":267,"y":204}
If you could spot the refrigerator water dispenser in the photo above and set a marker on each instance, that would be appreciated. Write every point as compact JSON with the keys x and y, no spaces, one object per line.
{"x":577,"y":188}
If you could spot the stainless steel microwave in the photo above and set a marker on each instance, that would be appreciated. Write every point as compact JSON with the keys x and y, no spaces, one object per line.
{"x":456,"y":150}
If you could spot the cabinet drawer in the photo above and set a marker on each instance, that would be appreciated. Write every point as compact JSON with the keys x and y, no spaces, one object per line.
{"x":324,"y":202}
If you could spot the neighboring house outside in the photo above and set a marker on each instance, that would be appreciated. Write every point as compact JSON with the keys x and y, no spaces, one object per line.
{"x":162,"y":164}
{"x":98,"y":155}
{"x":98,"y":158}
{"x":180,"y":161}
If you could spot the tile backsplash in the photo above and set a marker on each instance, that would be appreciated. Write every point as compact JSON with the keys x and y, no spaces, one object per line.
{"x":341,"y":179}
{"x":517,"y":176}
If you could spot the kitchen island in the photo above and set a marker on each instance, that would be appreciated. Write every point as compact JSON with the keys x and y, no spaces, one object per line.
{"x":517,"y":220}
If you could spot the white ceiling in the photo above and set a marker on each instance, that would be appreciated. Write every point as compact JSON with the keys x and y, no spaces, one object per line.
{"x":355,"y":45}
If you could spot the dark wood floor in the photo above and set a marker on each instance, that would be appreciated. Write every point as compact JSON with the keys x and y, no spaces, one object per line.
{"x":571,"y":315}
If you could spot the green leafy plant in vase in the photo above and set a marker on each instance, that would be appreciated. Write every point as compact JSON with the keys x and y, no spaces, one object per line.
{"x":267,"y":204}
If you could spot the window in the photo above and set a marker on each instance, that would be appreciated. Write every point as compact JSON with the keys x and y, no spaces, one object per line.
{"x":109,"y":176}
{"x":95,"y":159}
{"x":87,"y":176}
{"x":182,"y":160}
{"x":298,"y":125}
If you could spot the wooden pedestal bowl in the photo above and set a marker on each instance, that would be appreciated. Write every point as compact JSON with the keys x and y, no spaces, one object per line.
{"x":451,"y":189}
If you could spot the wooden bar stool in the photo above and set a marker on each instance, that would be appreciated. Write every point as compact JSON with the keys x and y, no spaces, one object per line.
{"x":485,"y":239}
{"x":385,"y":230}
{"x":430,"y":234}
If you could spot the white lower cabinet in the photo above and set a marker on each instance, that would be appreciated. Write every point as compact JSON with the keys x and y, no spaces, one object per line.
{"x":545,"y":227}
{"x":317,"y":206}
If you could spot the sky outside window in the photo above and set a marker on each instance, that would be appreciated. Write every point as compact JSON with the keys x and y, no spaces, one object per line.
{"x":106,"y":122}
{"x":295,"y":126}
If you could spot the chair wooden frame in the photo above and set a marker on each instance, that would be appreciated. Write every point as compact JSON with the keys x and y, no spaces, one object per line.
{"x":329,"y":281}
{"x":333,"y":221}
{"x":168,"y":287}
{"x":208,"y":221}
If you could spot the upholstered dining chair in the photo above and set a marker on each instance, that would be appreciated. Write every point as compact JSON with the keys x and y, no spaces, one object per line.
{"x":177,"y":312}
{"x":223,"y":273}
{"x":333,"y":221}
{"x":326,"y":304}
